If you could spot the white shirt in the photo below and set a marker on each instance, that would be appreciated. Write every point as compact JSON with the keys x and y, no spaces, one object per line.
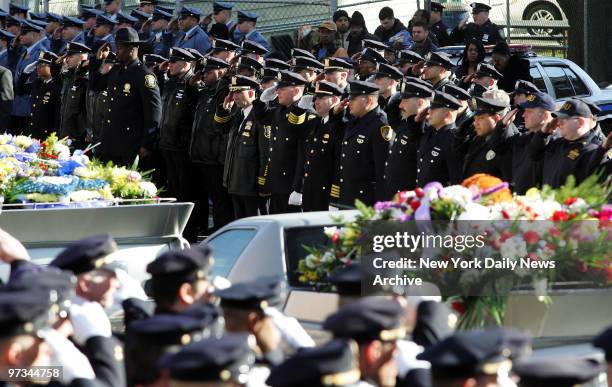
{"x":246,"y":111}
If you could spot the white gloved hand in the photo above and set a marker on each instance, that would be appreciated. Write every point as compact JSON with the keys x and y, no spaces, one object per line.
{"x":89,"y":320}
{"x":295,"y":199}
{"x":291,"y":330}
{"x":306,"y":102}
{"x":405,"y":357}
{"x":30,"y":68}
{"x":332,"y":208}
{"x":268,"y":95}
{"x":128,"y":288}
{"x":74,"y":363}
{"x":221,"y":283}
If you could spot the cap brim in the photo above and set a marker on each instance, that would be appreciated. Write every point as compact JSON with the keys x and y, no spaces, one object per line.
{"x":561,"y":115}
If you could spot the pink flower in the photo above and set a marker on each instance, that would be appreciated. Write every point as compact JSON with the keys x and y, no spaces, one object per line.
{"x":531,"y":237}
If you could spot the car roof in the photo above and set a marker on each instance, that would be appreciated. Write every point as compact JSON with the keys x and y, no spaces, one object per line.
{"x":290,"y":220}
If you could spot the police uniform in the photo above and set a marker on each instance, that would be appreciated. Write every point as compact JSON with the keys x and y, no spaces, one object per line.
{"x":401,"y":164}
{"x":73,"y":122}
{"x":440,"y":29}
{"x":44,"y":99}
{"x":557,"y":371}
{"x":330,"y":65}
{"x":219,"y":6}
{"x":436,"y":159}
{"x":254,"y":35}
{"x":161,"y":42}
{"x":285,"y":166}
{"x":248,"y":66}
{"x":488,"y":33}
{"x":300,"y":63}
{"x":461,"y":95}
{"x":247,"y":152}
{"x":409,"y":57}
{"x":97,"y":42}
{"x":196,"y":37}
{"x":388,"y":71}
{"x":255,"y":48}
{"x":322,"y":145}
{"x":97,"y":107}
{"x":373,"y":56}
{"x":562,"y":158}
{"x":526,"y":88}
{"x":134,"y":107}
{"x":4,"y":55}
{"x":443,"y":60}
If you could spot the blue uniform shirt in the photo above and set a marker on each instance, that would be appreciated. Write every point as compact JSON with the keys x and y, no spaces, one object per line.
{"x":21,"y":104}
{"x":254,"y":36}
{"x":195,"y":38}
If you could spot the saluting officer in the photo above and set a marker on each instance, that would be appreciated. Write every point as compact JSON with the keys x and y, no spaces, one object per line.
{"x":437,"y":25}
{"x":407,"y":61}
{"x":160,"y":40}
{"x":73,"y":122}
{"x":401,"y":164}
{"x":364,"y":149}
{"x":134,"y":101}
{"x":247,"y":149}
{"x":387,"y":78}
{"x":438,"y":70}
{"x":322,"y":148}
{"x":193,"y":35}
{"x":337,"y":71}
{"x":482,"y":28}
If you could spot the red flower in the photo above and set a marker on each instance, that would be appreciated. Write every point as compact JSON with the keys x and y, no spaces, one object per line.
{"x":531,"y":237}
{"x":533,"y":257}
{"x":609,"y":273}
{"x":559,"y":216}
{"x":335,"y":238}
{"x":340,"y":254}
{"x":582,"y":267}
{"x":458,"y":307}
{"x":554,"y":232}
{"x":505,"y":235}
{"x":415,"y":204}
{"x":505,"y":214}
{"x":570,"y":201}
{"x":419,"y":192}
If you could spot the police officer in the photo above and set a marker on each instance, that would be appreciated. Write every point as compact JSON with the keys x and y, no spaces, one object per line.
{"x":401,"y":164}
{"x":222,"y":13}
{"x":224,"y":49}
{"x":5,"y":40}
{"x":437,"y":26}
{"x":436,"y":159}
{"x":245,"y":29}
{"x":97,"y":104}
{"x":103,"y":33}
{"x":160,"y":39}
{"x":323,"y":144}
{"x":487,"y":76}
{"x":89,"y":17}
{"x":284,"y":172}
{"x":247,"y":150}
{"x":45,"y":91}
{"x":387,"y":78}
{"x":465,"y":114}
{"x":557,"y":371}
{"x":74,"y":121}
{"x":124,"y":20}
{"x":72,"y":30}
{"x":364,"y":149}
{"x":368,"y":62}
{"x":209,"y":141}
{"x":193,"y":35}
{"x":135,"y":103}
{"x":180,"y":279}
{"x":248,"y":67}
{"x":407,"y":61}
{"x":337,"y":71}
{"x":438,"y":70}
{"x":522,"y":90}
{"x":257,"y":51}
{"x":481,"y":28}
{"x":308,"y":68}
{"x":568,"y":154}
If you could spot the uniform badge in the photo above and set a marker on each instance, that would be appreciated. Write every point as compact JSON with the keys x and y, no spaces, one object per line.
{"x":485,"y":37}
{"x":246,"y":134}
{"x":404,"y":142}
{"x":490,"y":155}
{"x":267,"y":131}
{"x":573,"y":154}
{"x":326,"y":136}
{"x":360,"y":141}
{"x":248,"y":125}
{"x":434,"y":153}
{"x":566,"y":106}
{"x":150,"y":81}
{"x":386,"y":132}
{"x":531,"y":98}
{"x":126,"y":88}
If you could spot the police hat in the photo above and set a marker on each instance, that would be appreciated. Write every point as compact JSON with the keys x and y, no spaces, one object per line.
{"x":324,"y":88}
{"x":347,"y":280}
{"x":161,"y":14}
{"x":457,"y":92}
{"x":331,"y":364}
{"x":299,"y":52}
{"x":224,"y":359}
{"x":212,"y":63}
{"x":477,"y":90}
{"x":169,"y":10}
{"x":374,"y":45}
{"x":489,"y":106}
{"x":219,"y":6}
{"x":525,"y":87}
{"x":415,"y":90}
{"x":180,"y":54}
{"x":573,"y":108}
{"x":128,"y":36}
{"x":123,"y":18}
{"x":153,"y":59}
{"x":34,"y":15}
{"x":53,"y":17}
{"x":249,"y":46}
{"x":103,"y":20}
{"x":29,"y":26}
{"x":6,"y":36}
{"x":140,"y":15}
{"x":434,"y":322}
{"x":407,"y":56}
{"x":39,"y":23}
{"x":181,"y":264}
{"x":336,"y":64}
{"x":247,"y":16}
{"x":539,"y":100}
{"x":480,"y":7}
{"x":363,"y":88}
{"x":18,"y":8}
{"x":277,"y":64}
{"x":387,"y":71}
{"x":173,"y":329}
{"x":241,"y":82}
{"x":369,"y":318}
{"x":604,"y":341}
{"x":304,"y":62}
{"x":24,"y":311}
{"x":439,"y":59}
{"x":70,"y":21}
{"x":270,"y":74}
{"x":557,"y":372}
{"x":190,"y":12}
{"x":476,"y":352}
{"x":289,"y":78}
{"x":224,"y":45}
{"x":487,"y":70}
{"x":87,"y":13}
{"x":444,"y":100}
{"x":47,"y":57}
{"x":250,"y":63}
{"x":13,"y":21}
{"x":436,"y":7}
{"x":254,"y":295}
{"x":87,"y":254}
{"x":595,"y":110}
{"x":372,"y":56}
{"x":420,"y":81}
{"x":135,"y":309}
{"x":76,"y":48}
{"x":195,"y":53}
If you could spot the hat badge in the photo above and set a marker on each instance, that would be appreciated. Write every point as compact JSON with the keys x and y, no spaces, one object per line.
{"x":566,"y":106}
{"x":490,"y":155}
{"x":531,"y":98}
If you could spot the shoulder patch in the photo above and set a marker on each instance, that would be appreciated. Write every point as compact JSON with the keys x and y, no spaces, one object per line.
{"x":150,"y":81}
{"x":386,"y":132}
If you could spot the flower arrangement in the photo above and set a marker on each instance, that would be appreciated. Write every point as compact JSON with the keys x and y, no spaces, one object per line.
{"x":34,"y":171}
{"x":572,"y":224}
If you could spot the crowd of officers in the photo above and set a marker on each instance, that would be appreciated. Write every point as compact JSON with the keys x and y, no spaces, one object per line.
{"x":221,"y":115}
{"x":202,"y":331}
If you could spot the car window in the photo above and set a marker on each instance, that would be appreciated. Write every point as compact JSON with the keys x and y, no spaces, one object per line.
{"x":538,"y":79}
{"x":295,"y":240}
{"x":227,"y":247}
{"x":579,"y":86}
{"x":561,"y":84}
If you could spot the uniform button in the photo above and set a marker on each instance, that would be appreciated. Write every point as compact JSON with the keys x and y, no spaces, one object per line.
{"x":341,"y":167}
{"x":322,"y":150}
{"x":270,"y":148}
{"x":400,"y":152}
{"x":284,"y":173}
{"x":341,"y":180}
{"x":357,"y":152}
{"x":311,"y":151}
{"x":343,"y":155}
{"x":390,"y":152}
{"x":360,"y":192}
{"x":128,"y":129}
{"x":112,"y":99}
{"x":431,"y":161}
{"x":33,"y":105}
{"x":109,"y":110}
{"x":384,"y":176}
{"x":108,"y":121}
{"x":323,"y":188}
{"x":274,"y":138}
{"x":345,"y":143}
{"x":305,"y":175}
{"x":307,"y":162}
{"x":421,"y":159}
{"x":386,"y":163}
{"x":418,"y":169}
{"x":115,"y":88}
{"x":315,"y":140}
{"x":286,"y":138}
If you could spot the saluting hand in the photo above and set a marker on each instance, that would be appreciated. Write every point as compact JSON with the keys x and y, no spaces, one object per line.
{"x":164,"y":66}
{"x":342,"y":105}
{"x":509,"y":117}
{"x":422,"y":115}
{"x":228,"y":102}
{"x":607,"y":144}
{"x":417,"y":69}
{"x":103,"y":51}
{"x":551,"y":126}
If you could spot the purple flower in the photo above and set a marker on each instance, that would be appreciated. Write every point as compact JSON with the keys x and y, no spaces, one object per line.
{"x":34,"y":148}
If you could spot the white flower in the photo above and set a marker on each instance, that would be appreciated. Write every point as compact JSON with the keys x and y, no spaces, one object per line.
{"x":5,"y":138}
{"x":148,"y":189}
{"x":457,"y":193}
{"x":475,"y":211}
{"x":84,"y":195}
{"x":514,"y":248}
{"x":23,"y":142}
{"x":62,"y":151}
{"x":311,"y":261}
{"x":330,"y":231}
{"x":578,"y":206}
{"x":57,"y":180}
{"x":134,"y":176}
{"x":328,"y":257}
